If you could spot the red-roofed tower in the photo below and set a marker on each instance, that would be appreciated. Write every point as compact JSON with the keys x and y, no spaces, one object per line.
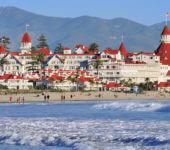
{"x":164,"y":48}
{"x":26,"y":44}
{"x":123,"y":50}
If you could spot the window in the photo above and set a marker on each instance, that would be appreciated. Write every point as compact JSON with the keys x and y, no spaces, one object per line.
{"x":165,"y":58}
{"x":166,"y":51}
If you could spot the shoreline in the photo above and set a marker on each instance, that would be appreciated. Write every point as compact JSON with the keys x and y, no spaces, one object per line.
{"x":85,"y":96}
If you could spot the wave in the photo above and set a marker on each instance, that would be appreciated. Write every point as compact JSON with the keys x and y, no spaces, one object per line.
{"x":135,"y":106}
{"x":84,"y":134}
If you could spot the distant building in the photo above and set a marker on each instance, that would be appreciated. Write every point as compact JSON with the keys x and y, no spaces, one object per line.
{"x":109,"y":66}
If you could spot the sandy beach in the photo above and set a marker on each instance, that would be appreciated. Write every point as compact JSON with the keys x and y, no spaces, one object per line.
{"x":85,"y":96}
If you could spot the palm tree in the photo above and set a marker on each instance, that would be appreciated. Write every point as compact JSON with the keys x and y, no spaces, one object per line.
{"x":91,"y":83}
{"x":122,"y":82}
{"x":97,"y":64}
{"x":94,"y":47}
{"x":155,"y":83}
{"x":147,"y":80}
{"x":129,"y":82}
{"x":61,"y":81}
{"x":41,"y":59}
{"x":77,"y":84}
{"x":73,"y":80}
{"x":3,"y":61}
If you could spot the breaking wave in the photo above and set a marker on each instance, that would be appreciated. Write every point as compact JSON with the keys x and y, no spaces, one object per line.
{"x":135,"y":106}
{"x":84,"y":134}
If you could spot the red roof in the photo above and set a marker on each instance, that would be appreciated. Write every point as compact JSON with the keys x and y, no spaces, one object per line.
{"x":44,"y":50}
{"x":99,"y":57}
{"x":113,"y":84}
{"x":123,"y":50}
{"x":166,"y":31}
{"x":82,"y":46}
{"x":67,"y":48}
{"x":168,"y":73}
{"x":112,"y":52}
{"x":164,"y":52}
{"x":86,"y":48}
{"x":55,"y":78}
{"x":83,"y":79}
{"x":164,"y":84}
{"x":26,"y":38}
{"x":10,"y":76}
{"x":2,"y":49}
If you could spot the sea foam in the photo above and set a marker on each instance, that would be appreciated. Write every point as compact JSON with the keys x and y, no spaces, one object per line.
{"x":84,"y":134}
{"x":134,"y":106}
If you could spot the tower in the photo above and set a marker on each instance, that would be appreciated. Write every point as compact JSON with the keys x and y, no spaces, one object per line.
{"x":164,"y":48}
{"x":123,"y":50}
{"x":165,"y":36}
{"x":26,"y":44}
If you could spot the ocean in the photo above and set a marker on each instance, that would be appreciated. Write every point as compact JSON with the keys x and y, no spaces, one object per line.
{"x":94,"y":125}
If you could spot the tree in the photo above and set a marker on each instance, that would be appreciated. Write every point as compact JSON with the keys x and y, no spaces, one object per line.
{"x":3,"y":61}
{"x":61,"y":81}
{"x":33,"y":50}
{"x":42,"y":42}
{"x":5,"y":41}
{"x":97,"y":64}
{"x":155,"y":84}
{"x":94,"y":47}
{"x":122,"y":82}
{"x":40,"y":58}
{"x":129,"y":82}
{"x":147,"y":80}
{"x":73,"y":80}
{"x":59,"y":49}
{"x":110,"y":48}
{"x":91,"y":83}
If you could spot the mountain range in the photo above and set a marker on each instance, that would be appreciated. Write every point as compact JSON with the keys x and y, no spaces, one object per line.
{"x":80,"y":30}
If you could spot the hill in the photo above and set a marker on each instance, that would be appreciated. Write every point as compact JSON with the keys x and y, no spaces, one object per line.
{"x":80,"y":30}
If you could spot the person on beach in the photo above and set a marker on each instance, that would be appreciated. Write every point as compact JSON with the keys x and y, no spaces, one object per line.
{"x":71,"y":96}
{"x":48,"y":97}
{"x":10,"y":99}
{"x":45,"y":97}
{"x":19,"y":100}
{"x":23,"y":99}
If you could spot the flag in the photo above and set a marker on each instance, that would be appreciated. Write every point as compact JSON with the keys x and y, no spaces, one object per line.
{"x":168,"y":15}
{"x":27,"y":25}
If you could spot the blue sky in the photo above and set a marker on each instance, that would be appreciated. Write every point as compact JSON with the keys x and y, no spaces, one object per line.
{"x":143,"y":11}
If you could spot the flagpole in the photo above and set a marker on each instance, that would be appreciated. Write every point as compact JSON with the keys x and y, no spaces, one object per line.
{"x":166,"y":19}
{"x":122,"y":37}
{"x":26,"y":28}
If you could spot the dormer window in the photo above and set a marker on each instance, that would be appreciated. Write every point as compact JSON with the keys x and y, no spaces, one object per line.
{"x":166,"y":51}
{"x":165,"y":58}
